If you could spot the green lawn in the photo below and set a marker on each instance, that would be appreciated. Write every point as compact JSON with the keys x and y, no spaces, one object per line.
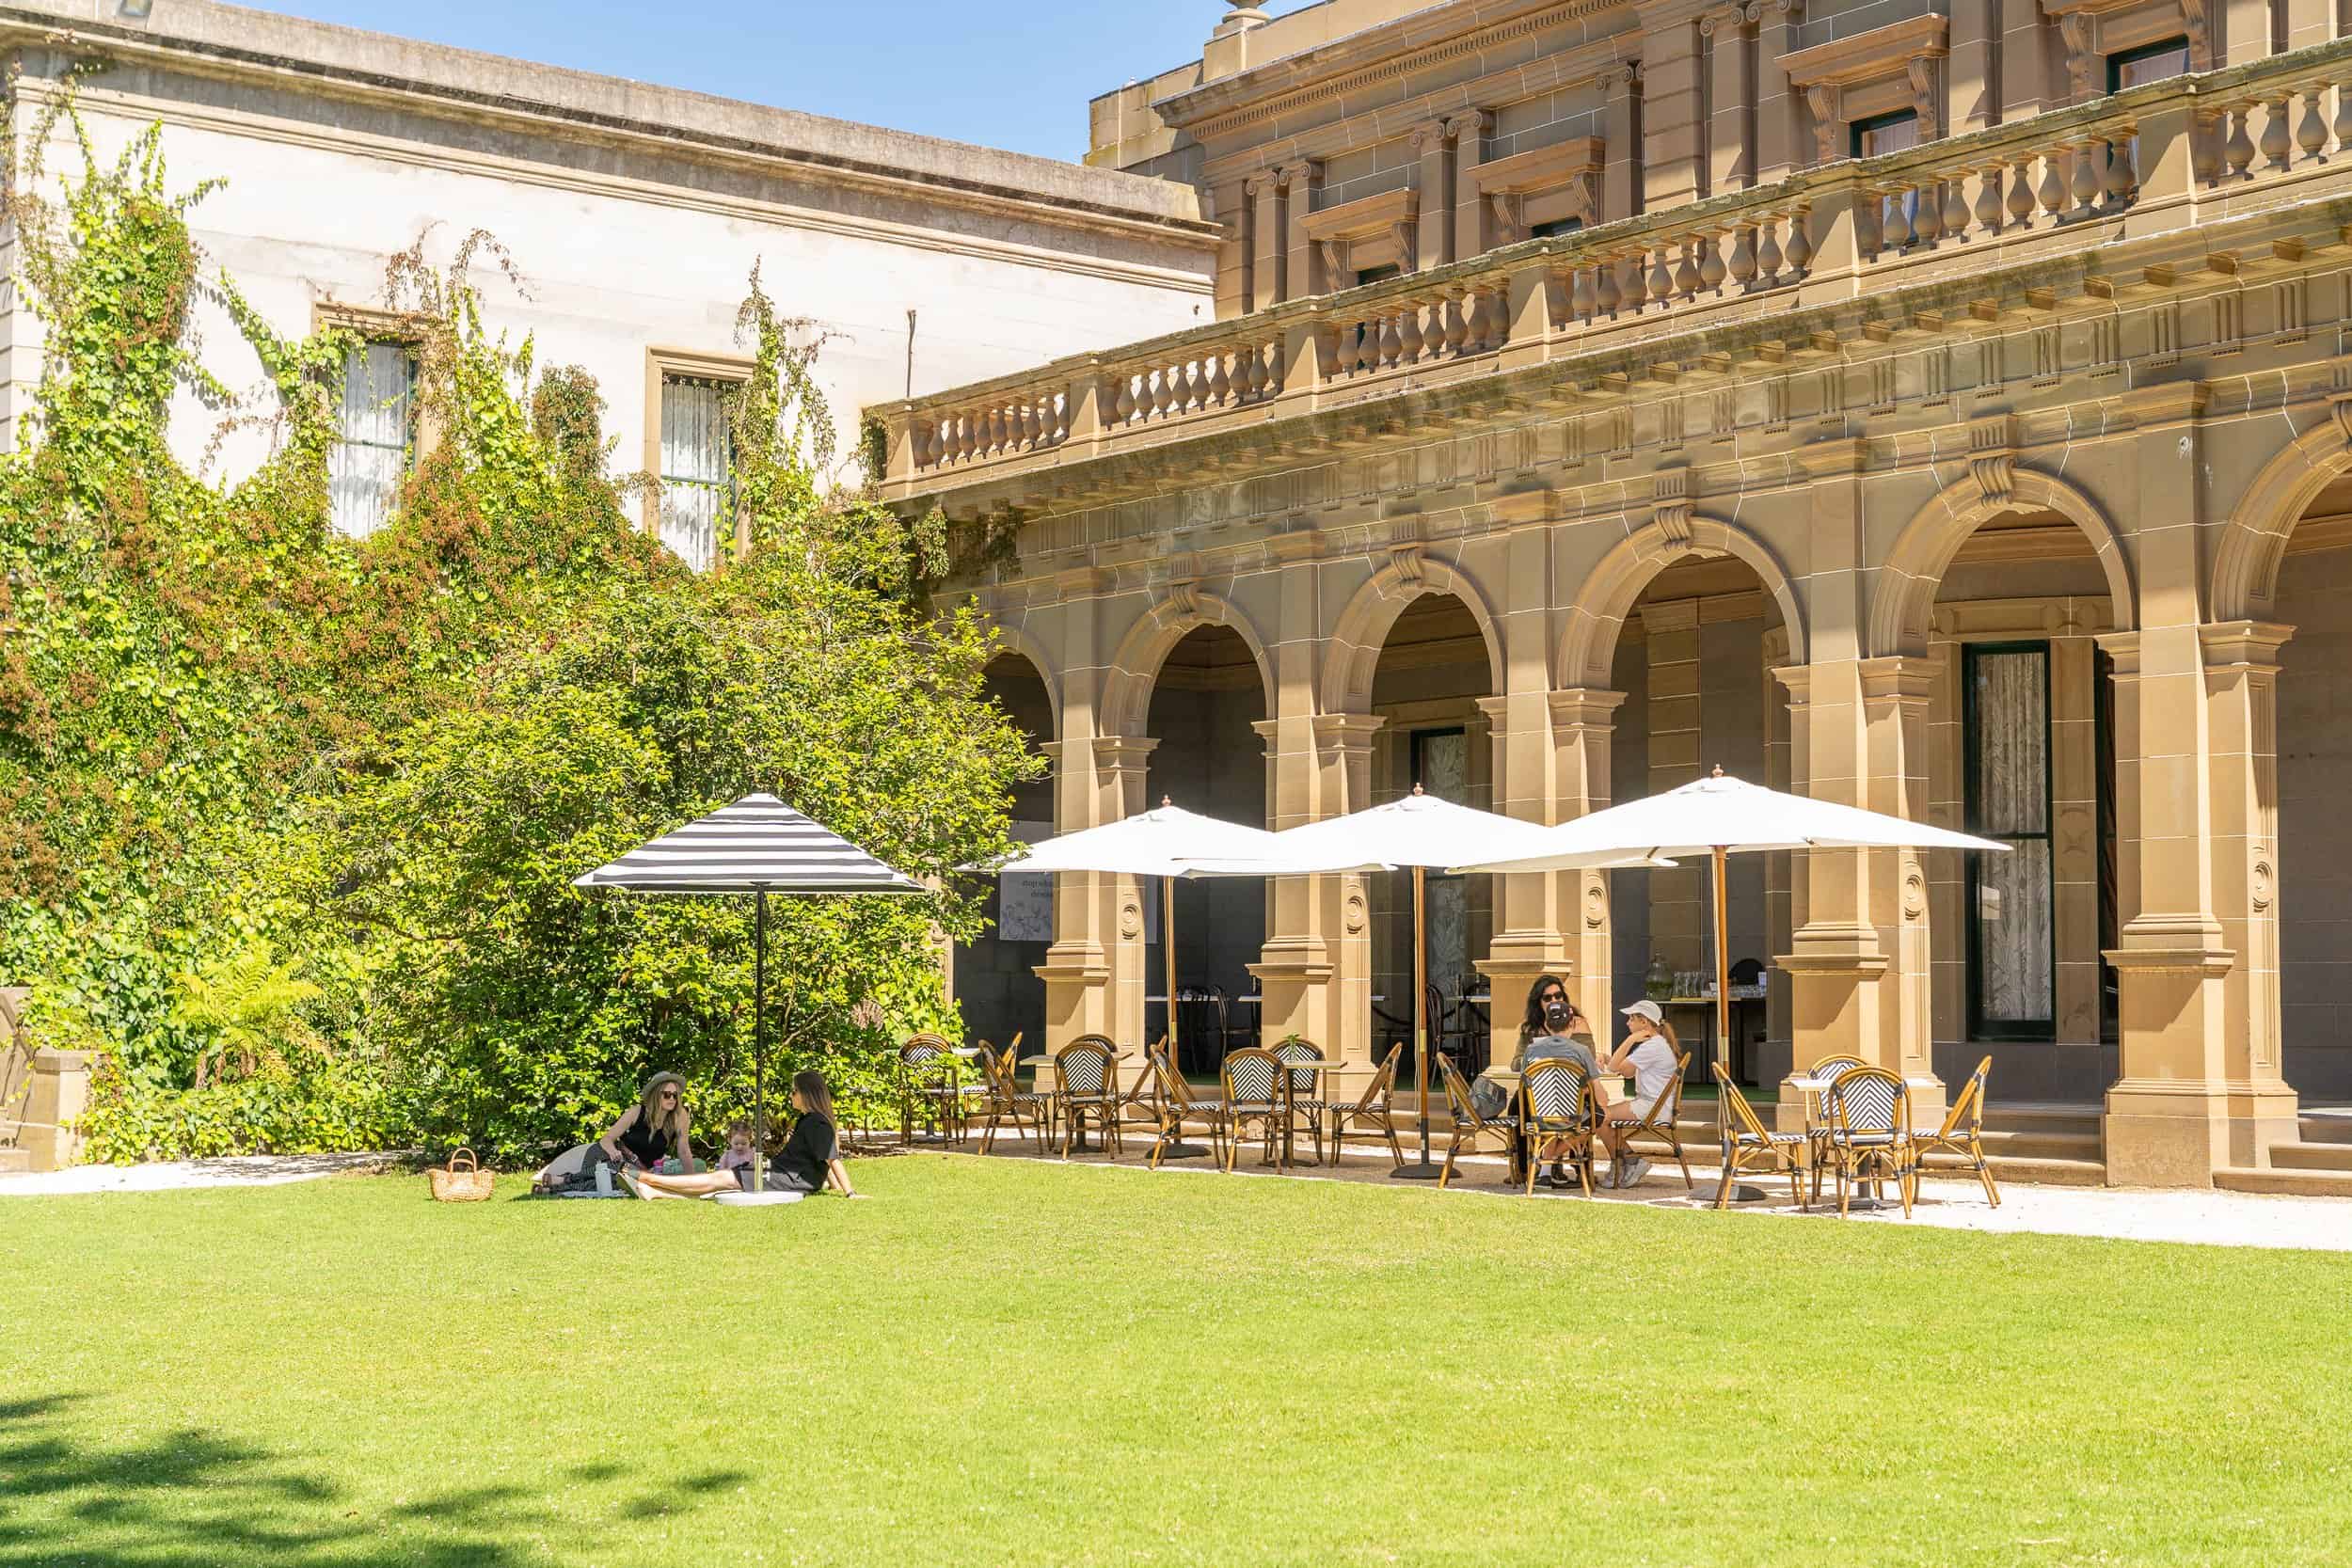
{"x":1001,"y":1362}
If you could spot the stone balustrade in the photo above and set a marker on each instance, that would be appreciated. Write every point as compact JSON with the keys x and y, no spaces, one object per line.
{"x":2171,"y":153}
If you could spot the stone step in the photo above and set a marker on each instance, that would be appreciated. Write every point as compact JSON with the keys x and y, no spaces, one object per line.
{"x":2296,"y":1183}
{"x":2328,"y":1124}
{"x":2311,"y":1156}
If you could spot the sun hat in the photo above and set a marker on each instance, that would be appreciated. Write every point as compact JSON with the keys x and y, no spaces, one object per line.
{"x":1645,"y":1009}
{"x":657,"y":1079}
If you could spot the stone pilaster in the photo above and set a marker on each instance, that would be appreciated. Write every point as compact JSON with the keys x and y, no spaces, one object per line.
{"x":1433,"y":246}
{"x":1302,"y":273}
{"x":1780,"y":139}
{"x":1472,"y":222}
{"x":1674,"y":116}
{"x":1094,"y":971}
{"x":1730,"y":159}
{"x":1621,"y":176}
{"x":1896,"y":699}
{"x":1264,"y":191}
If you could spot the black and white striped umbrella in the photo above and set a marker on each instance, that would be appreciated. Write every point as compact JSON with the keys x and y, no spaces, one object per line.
{"x":757,"y":844}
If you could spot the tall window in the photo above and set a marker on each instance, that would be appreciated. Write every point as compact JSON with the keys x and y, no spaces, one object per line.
{"x":1893,"y":132}
{"x":2156,"y":62}
{"x":372,"y":441}
{"x":694,"y":462}
{"x":2011,"y":952}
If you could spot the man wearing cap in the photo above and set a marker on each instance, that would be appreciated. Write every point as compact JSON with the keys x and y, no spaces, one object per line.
{"x":1648,"y":1056}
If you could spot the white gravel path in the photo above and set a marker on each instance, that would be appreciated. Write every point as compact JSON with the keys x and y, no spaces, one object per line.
{"x":258,"y":1171}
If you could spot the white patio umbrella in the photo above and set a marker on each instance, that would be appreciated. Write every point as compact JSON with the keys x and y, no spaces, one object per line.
{"x":1415,"y":833}
{"x":757,"y":845}
{"x":1719,"y":816}
{"x":1164,"y":842}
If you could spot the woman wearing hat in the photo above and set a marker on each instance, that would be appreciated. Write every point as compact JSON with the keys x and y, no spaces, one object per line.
{"x":1648,"y":1055}
{"x":653,"y":1130}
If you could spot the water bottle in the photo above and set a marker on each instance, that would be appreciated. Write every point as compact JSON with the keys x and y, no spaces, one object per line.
{"x":604,"y":1180}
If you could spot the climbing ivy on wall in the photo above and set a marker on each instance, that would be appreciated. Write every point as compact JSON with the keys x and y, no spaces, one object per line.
{"x":290,"y":818}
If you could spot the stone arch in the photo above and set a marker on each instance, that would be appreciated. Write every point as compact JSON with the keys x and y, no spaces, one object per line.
{"x":2254,"y":540}
{"x":1126,"y":703}
{"x":1902,"y":603}
{"x":1595,"y":615}
{"x":1013,"y":638}
{"x":1353,"y":651}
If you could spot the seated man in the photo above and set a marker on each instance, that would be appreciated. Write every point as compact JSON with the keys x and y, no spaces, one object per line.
{"x":1554,"y":1029}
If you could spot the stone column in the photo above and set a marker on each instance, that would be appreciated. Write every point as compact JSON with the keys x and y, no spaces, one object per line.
{"x":1094,"y":971}
{"x":1972,"y":94}
{"x":1302,"y":273}
{"x":57,"y":1093}
{"x":1433,"y":245}
{"x":1780,"y":142}
{"x":1895,"y":694}
{"x":1265,"y":239}
{"x":2025,"y":86}
{"x":1673,"y":116}
{"x":1472,"y":227}
{"x":1236,"y":261}
{"x":1730,"y":160}
{"x":1621,"y":178}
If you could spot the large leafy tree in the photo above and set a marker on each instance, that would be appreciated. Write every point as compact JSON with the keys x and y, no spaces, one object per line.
{"x":268,"y":784}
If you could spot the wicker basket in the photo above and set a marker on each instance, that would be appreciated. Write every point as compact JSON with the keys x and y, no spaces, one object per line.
{"x":471,"y":1184}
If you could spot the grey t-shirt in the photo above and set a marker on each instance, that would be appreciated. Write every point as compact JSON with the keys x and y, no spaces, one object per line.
{"x":1575,"y":1048}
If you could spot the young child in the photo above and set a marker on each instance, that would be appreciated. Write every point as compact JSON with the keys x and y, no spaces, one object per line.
{"x":739,"y":1154}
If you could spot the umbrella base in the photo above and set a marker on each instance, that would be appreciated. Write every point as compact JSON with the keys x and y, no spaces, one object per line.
{"x":1186,"y":1152}
{"x":755,"y":1200}
{"x":1421,"y":1170}
{"x":1740,"y":1193}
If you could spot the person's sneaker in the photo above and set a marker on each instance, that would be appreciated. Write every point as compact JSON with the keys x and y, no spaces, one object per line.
{"x":1631,"y":1176}
{"x":1559,"y":1175}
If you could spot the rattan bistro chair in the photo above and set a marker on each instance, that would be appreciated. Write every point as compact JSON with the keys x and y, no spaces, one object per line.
{"x":1963,"y":1133}
{"x":1748,"y":1144}
{"x":1375,"y":1108}
{"x":930,"y":1087}
{"x":1659,"y":1122}
{"x":1004,"y":1099}
{"x":1470,"y":1126}
{"x":1253,"y":1092}
{"x":1086,"y":1074}
{"x":1556,"y":1106}
{"x":1175,"y":1104}
{"x":1827,"y":1071}
{"x":1870,"y":1133}
{"x":1300,"y":1103}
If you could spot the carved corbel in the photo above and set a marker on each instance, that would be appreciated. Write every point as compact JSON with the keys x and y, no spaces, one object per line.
{"x":1993,"y":458}
{"x":1407,"y":239}
{"x":2340,"y":404}
{"x":2200,"y":38}
{"x":1334,"y":260}
{"x":1410,"y":564}
{"x":1670,"y":506}
{"x":1925,"y":101}
{"x":1510,"y":209}
{"x":1821,"y":102}
{"x":1179,"y":592}
{"x":2074,"y":32}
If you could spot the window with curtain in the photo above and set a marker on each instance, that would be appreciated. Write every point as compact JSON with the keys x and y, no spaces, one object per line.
{"x":1893,"y":132}
{"x":371,"y":449}
{"x":2156,"y":62}
{"x":694,"y":462}
{"x":2011,"y":956}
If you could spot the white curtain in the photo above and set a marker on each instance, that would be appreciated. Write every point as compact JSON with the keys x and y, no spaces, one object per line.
{"x":2011,"y":788}
{"x":693,"y":468}
{"x":365,"y":466}
{"x":1444,"y":761}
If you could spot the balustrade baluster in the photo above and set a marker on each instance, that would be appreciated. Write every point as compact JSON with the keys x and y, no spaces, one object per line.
{"x":1955,"y":210}
{"x":1687,"y":269}
{"x":1895,"y":213}
{"x":2278,"y":139}
{"x":1661,"y":280}
{"x":1799,"y":247}
{"x":1220,"y":382}
{"x":1988,"y":208}
{"x":1455,"y":309}
{"x":2122,"y":179}
{"x":1408,"y":334}
{"x":1392,"y":340}
{"x":1767,"y":257}
{"x":1739,"y":266}
{"x":2088,"y":184}
{"x":2051,"y":193}
{"x":1124,"y":405}
{"x":1633,"y":285}
{"x":2310,"y":132}
{"x":2238,"y":152}
{"x":1606,"y":294}
{"x":1582,"y":299}
{"x":1711,"y":268}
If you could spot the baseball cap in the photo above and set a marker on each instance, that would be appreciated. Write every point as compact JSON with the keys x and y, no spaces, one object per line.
{"x":1645,"y":1009}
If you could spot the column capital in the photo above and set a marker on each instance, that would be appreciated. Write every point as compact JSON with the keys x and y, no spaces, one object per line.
{"x":1259,"y":180}
{"x":2242,"y":644}
{"x":2123,"y":650}
{"x":1798,"y":679}
{"x":1342,"y":733}
{"x":1899,"y":680}
{"x":1119,"y":751}
{"x":1303,"y":170}
{"x":1422,"y":133}
{"x":1583,"y":707}
{"x":1470,"y":122}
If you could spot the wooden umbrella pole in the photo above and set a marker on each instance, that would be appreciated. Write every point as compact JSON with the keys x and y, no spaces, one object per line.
{"x":1723,"y":972}
{"x":1167,"y":953}
{"x":759,"y":1043}
{"x":1421,"y":1005}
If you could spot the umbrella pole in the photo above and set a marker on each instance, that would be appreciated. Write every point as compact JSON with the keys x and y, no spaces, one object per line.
{"x":1740,"y":1190}
{"x":1179,"y":1149}
{"x":1424,"y":1171}
{"x":759,"y":1042}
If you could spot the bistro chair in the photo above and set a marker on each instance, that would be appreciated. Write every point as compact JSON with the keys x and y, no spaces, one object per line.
{"x":1749,"y":1145}
{"x":1136,"y":1104}
{"x":1660,"y":1122}
{"x":1004,"y":1098}
{"x":1963,"y":1133}
{"x":1870,"y":1133}
{"x":1556,"y":1107}
{"x":1827,"y":1071}
{"x":1375,"y":1108}
{"x":1086,"y":1074}
{"x":1175,"y":1104}
{"x":1299,"y":1091}
{"x":932,"y":1086}
{"x":1241,"y":1021}
{"x":1253,"y":1092}
{"x":1468,"y":1126}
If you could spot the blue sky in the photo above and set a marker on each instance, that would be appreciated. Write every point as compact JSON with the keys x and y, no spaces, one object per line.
{"x":1008,"y":75}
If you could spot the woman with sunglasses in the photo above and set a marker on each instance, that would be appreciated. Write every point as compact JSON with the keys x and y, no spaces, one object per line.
{"x":653,"y":1130}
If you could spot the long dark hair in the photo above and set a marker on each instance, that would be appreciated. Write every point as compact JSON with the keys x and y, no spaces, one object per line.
{"x":809,"y":1085}
{"x":1533,"y":1025}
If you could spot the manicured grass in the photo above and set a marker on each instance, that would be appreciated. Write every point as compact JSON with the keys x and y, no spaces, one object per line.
{"x":996,"y":1362}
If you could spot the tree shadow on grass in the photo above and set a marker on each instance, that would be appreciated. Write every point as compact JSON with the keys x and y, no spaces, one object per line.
{"x":196,"y":1500}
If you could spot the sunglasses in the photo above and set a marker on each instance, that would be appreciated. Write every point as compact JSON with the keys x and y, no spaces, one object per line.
{"x":669,"y":1094}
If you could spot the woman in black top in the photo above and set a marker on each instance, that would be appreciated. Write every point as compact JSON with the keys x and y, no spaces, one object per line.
{"x":808,"y":1162}
{"x":653,"y":1129}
